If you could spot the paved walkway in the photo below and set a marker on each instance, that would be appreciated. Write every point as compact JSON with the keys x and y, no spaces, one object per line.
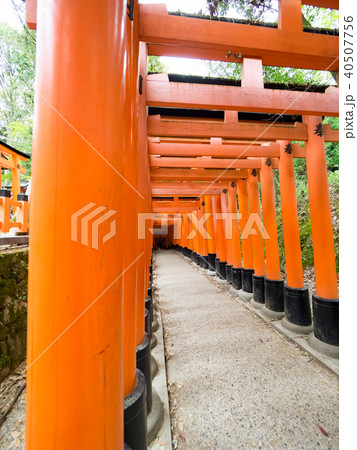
{"x":234,"y":382}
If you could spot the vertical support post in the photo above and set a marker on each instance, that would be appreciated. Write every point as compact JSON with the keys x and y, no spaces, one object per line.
{"x":135,"y":406}
{"x":210,"y":229}
{"x":15,"y":180}
{"x":75,"y":378}
{"x":203,"y":232}
{"x":246,"y":237}
{"x":236,"y":248}
{"x":252,"y":73}
{"x":222,"y":260}
{"x":296,"y":296}
{"x":144,"y":300}
{"x":257,"y":238}
{"x":325,"y":303}
{"x":274,"y":286}
{"x":290,"y":16}
{"x":227,"y":234}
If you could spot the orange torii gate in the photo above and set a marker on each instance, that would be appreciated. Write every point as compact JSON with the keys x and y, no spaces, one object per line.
{"x":97,"y":280}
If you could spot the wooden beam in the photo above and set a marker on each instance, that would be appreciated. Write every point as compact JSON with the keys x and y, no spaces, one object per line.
{"x":185,"y":185}
{"x":258,"y":132}
{"x":332,"y":4}
{"x":196,"y":174}
{"x":209,"y":163}
{"x":31,"y":14}
{"x":218,"y":40}
{"x":209,"y":96}
{"x":183,"y":192}
{"x":221,"y":150}
{"x":174,"y":209}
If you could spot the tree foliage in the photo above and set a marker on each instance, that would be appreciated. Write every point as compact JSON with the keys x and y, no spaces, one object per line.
{"x":252,"y":10}
{"x":17,"y":75}
{"x":155,"y":65}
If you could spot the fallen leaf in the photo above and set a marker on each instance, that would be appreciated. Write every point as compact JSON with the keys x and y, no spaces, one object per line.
{"x":261,"y":340}
{"x":322,"y":430}
{"x":182,"y":438}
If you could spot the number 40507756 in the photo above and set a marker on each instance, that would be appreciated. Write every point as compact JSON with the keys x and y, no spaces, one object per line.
{"x":348,"y":46}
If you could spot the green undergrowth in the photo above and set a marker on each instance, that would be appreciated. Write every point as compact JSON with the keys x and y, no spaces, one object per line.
{"x":302,"y":195}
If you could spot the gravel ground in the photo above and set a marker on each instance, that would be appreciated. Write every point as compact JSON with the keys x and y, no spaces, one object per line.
{"x":233,"y":381}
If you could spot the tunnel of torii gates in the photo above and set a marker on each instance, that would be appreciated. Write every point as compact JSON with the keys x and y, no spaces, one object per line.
{"x":100,"y":161}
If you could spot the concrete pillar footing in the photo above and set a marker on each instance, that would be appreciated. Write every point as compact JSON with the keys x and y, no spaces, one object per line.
{"x":275,"y":315}
{"x":298,"y":329}
{"x":154,"y":367}
{"x":155,"y":325}
{"x":246,"y":296}
{"x":155,"y":418}
{"x":233,"y":292}
{"x":326,"y":349}
{"x":256,"y":305}
{"x":153,"y":342}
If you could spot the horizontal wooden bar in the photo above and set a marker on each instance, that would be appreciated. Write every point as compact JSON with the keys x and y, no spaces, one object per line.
{"x":14,"y":240}
{"x":209,"y":163}
{"x":221,"y":150}
{"x":190,"y":192}
{"x":234,"y":98}
{"x":175,"y":209}
{"x":188,"y":185}
{"x":255,"y":132}
{"x":197,"y":174}
{"x":218,"y":40}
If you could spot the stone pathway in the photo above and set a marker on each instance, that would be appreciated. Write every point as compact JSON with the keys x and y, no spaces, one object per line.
{"x":234,"y":382}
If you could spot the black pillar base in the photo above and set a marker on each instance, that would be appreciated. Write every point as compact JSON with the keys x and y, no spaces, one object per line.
{"x":150,"y":269}
{"x":135,"y":415}
{"x":297,"y":306}
{"x":150,"y":291}
{"x":258,"y":289}
{"x":222,"y":269}
{"x":237,"y":278}
{"x":326,"y":319}
{"x":204,"y":262}
{"x":185,"y":251}
{"x":247,"y":280}
{"x":143,"y":363}
{"x":216,"y":265}
{"x":212,"y":261}
{"x":274,"y":295}
{"x":229,"y":268}
{"x":148,"y":322}
{"x":149,"y":306}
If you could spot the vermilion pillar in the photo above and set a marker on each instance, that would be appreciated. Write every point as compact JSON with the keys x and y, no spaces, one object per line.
{"x":144,"y":301}
{"x":325,"y":303}
{"x":222,"y":262}
{"x":236,"y":247}
{"x":246,"y":237}
{"x":203,"y":233}
{"x":273,"y":285}
{"x":75,"y":384}
{"x":257,"y":238}
{"x":210,"y":229}
{"x":227,"y":234}
{"x":296,"y":296}
{"x":135,"y":402}
{"x":195,"y":239}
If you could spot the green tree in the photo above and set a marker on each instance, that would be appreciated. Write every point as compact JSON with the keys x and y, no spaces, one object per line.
{"x":255,"y":11}
{"x":155,"y":65}
{"x":17,"y":75}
